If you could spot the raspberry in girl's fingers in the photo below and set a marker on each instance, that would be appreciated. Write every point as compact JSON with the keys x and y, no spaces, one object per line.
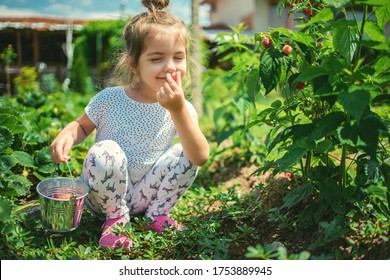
{"x":174,"y":77}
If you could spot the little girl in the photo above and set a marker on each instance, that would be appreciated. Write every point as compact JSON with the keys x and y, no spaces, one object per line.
{"x":134,"y":167}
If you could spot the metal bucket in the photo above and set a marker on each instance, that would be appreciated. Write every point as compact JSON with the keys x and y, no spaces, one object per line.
{"x":61,"y":201}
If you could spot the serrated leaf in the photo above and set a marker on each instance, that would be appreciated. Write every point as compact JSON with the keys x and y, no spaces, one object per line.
{"x":383,"y":15}
{"x":44,"y":161}
{"x":18,"y":185}
{"x":348,"y":134}
{"x":324,"y":147}
{"x":293,"y":155}
{"x":5,"y":210}
{"x":309,"y":74}
{"x":376,"y":34}
{"x":326,"y":125}
{"x":253,"y":83}
{"x":297,"y":195}
{"x":6,"y":138}
{"x":12,"y":123}
{"x":344,"y":40}
{"x":270,"y":69}
{"x":370,"y":127}
{"x":337,"y":3}
{"x":330,"y":190}
{"x":382,"y":64}
{"x":324,"y":15}
{"x":355,"y":102}
{"x":7,"y":162}
{"x":23,"y":158}
{"x":19,"y":178}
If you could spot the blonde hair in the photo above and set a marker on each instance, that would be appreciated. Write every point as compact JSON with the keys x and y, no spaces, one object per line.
{"x":139,"y":29}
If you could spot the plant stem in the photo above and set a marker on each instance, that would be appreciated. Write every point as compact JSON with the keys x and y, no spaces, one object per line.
{"x":284,"y":90}
{"x":343,"y":169}
{"x":358,"y":53}
{"x":307,"y":165}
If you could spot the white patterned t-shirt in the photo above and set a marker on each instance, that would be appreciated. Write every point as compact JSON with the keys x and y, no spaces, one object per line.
{"x":144,"y":131}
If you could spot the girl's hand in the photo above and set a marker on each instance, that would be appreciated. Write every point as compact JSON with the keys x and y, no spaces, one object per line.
{"x":60,"y":148}
{"x":171,"y":95}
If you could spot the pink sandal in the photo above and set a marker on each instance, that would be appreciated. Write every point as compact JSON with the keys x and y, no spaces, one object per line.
{"x":163,"y":222}
{"x":108,"y":240}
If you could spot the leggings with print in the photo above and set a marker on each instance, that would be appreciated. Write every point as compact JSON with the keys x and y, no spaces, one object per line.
{"x":113,"y":194}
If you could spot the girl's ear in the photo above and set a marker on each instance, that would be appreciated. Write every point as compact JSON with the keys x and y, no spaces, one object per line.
{"x":132,"y":64}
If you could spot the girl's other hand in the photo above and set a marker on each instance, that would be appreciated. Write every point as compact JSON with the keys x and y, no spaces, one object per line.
{"x":171,"y":95}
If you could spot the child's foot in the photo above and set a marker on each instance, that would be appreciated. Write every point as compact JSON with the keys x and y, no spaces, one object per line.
{"x":163,"y":222}
{"x":109,"y":240}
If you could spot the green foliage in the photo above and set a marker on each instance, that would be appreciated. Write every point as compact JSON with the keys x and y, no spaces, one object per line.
{"x":8,"y":55}
{"x":95,"y":45}
{"x":233,"y":91}
{"x":328,"y":126}
{"x":28,"y":123}
{"x":274,"y":251}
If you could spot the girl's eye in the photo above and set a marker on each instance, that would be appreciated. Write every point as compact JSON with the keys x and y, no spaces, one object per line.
{"x":155,"y":59}
{"x":179,"y":58}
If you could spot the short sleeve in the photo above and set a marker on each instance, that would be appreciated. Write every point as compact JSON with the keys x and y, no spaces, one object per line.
{"x":96,"y":109}
{"x":191,"y":109}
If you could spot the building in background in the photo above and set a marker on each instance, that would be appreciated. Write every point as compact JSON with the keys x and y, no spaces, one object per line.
{"x":36,"y":41}
{"x":258,"y":15}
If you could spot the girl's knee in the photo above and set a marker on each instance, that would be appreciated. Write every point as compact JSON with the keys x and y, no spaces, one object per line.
{"x":106,"y":153}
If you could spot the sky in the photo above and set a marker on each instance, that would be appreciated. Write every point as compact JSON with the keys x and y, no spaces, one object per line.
{"x":91,"y":9}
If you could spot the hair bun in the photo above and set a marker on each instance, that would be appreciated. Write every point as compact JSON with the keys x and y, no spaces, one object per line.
{"x":155,"y":5}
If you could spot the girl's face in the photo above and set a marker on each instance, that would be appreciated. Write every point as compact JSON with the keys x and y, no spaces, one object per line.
{"x":163,"y":54}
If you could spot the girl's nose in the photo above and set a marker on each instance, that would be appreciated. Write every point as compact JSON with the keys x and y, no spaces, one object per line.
{"x":170,"y":67}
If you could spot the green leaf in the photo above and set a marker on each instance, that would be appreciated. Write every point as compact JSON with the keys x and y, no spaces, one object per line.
{"x":5,"y":210}
{"x":303,"y":38}
{"x":330,"y":191}
{"x":19,"y":185}
{"x":324,"y":147}
{"x":326,"y":125}
{"x":7,"y":162}
{"x":19,"y":178}
{"x":293,"y":155}
{"x":337,"y":3}
{"x":23,"y":158}
{"x":324,"y":15}
{"x":344,"y":39}
{"x":355,"y":102}
{"x":297,"y":195}
{"x":270,"y":69}
{"x":6,"y":138}
{"x":383,"y":14}
{"x":44,"y":161}
{"x":349,"y":134}
{"x":309,"y":74}
{"x":382,"y":64}
{"x":376,"y":34}
{"x":12,"y":123}
{"x":370,"y":127}
{"x":253,"y":83}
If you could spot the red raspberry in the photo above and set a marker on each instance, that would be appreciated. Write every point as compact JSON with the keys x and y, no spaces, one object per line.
{"x":309,"y":12}
{"x":267,"y":43}
{"x":300,"y":86}
{"x":287,"y":49}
